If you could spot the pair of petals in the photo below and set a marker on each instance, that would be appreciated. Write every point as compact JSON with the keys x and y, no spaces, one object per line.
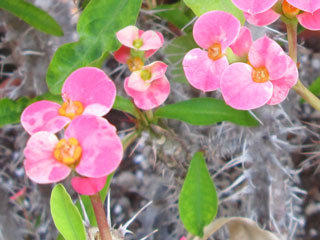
{"x":241,"y":92}
{"x":152,"y":41}
{"x":148,"y":94}
{"x":309,"y":19}
{"x":211,"y":28}
{"x":88,"y":85}
{"x":101,"y":152}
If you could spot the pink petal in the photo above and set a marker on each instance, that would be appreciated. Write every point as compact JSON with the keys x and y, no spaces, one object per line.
{"x":202,"y":72}
{"x":88,"y":186}
{"x":282,"y":85}
{"x":153,"y":97}
{"x":240,"y":91}
{"x":43,"y":116}
{"x":265,"y":52}
{"x":216,"y":27}
{"x":93,"y":88}
{"x":262,"y":19}
{"x":101,"y":146}
{"x":127,"y":35}
{"x":39,"y":163}
{"x":122,"y":55}
{"x":254,"y":6}
{"x":310,"y":20}
{"x":151,"y":40}
{"x":137,"y":83}
{"x":306,"y":5}
{"x":243,"y":43}
{"x":149,"y":53}
{"x":157,"y":68}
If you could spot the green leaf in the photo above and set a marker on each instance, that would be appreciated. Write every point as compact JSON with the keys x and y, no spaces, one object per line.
{"x":32,"y":15}
{"x":198,"y":201}
{"x":10,"y":110}
{"x":200,"y":7}
{"x":97,"y":28}
{"x":175,"y":13}
{"x":125,"y":105}
{"x":65,"y":215}
{"x":175,"y":52}
{"x":205,"y":111}
{"x":60,"y":237}
{"x":315,"y":87}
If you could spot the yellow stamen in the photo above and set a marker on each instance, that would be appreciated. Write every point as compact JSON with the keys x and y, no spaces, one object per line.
{"x":71,"y":109}
{"x":135,"y":64}
{"x":260,"y":75}
{"x":289,"y":10}
{"x":215,"y":52}
{"x":68,"y":152}
{"x":146,"y":74}
{"x":137,"y":43}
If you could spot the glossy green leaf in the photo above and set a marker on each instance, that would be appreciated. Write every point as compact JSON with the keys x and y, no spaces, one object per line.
{"x":200,"y":7}
{"x":60,"y":237}
{"x":65,"y":215}
{"x":205,"y":111}
{"x":315,"y":87}
{"x":175,"y":53}
{"x":97,"y":28}
{"x":32,"y":15}
{"x":198,"y":201}
{"x":10,"y":110}
{"x":125,"y":105}
{"x":176,"y":13}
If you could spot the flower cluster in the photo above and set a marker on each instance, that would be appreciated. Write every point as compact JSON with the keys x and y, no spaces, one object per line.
{"x":90,"y":145}
{"x":245,"y":85}
{"x":147,"y":85}
{"x":262,"y":13}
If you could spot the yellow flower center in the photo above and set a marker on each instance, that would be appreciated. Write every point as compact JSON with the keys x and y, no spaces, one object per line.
{"x":71,"y":109}
{"x":135,"y":64}
{"x":68,"y":152}
{"x":137,"y":43}
{"x":260,"y":75}
{"x":289,"y":10}
{"x":146,"y":74}
{"x":214,"y":51}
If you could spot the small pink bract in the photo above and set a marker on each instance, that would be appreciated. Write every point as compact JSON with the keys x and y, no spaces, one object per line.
{"x":262,"y":19}
{"x":88,"y":186}
{"x":101,"y":151}
{"x":254,"y":6}
{"x":306,"y":5}
{"x":243,"y":43}
{"x":148,"y":94}
{"x":88,"y":85}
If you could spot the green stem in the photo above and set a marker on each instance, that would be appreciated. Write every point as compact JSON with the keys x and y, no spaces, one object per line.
{"x":149,"y":115}
{"x":304,"y":92}
{"x":292,"y":38}
{"x":129,"y":139}
{"x":103,"y":225}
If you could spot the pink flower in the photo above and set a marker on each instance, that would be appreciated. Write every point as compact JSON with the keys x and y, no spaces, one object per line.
{"x":310,"y":18}
{"x":87,"y":91}
{"x":266,"y":80}
{"x":91,"y":147}
{"x":145,"y":44}
{"x":254,"y":6}
{"x":214,"y":31}
{"x":88,"y":186}
{"x":149,"y":87}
